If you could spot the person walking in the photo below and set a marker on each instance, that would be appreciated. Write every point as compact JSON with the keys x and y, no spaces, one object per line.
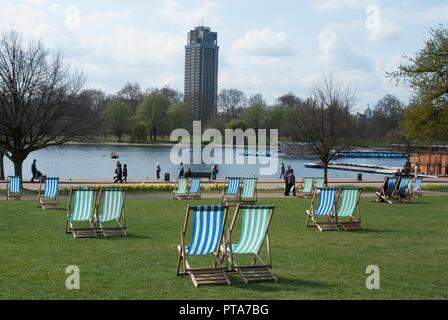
{"x":158,"y":170}
{"x":287,"y":186}
{"x":36,"y":174}
{"x":125,"y":173}
{"x":292,"y":182}
{"x":119,"y":173}
{"x":282,"y":173}
{"x":215,"y":171}
{"x":181,"y":170}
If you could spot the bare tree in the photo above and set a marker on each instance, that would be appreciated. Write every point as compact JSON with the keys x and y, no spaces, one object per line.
{"x":132,"y":94}
{"x":171,"y":94}
{"x":231,"y":101}
{"x":324,"y":121}
{"x":39,"y":105}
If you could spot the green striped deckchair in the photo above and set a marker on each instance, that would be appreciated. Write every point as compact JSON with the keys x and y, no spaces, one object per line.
{"x":206,"y":239}
{"x":254,"y":232}
{"x":48,"y":198}
{"x":319,"y":183}
{"x":248,"y":193}
{"x":232,"y":189}
{"x":13,"y":187}
{"x":180,"y":191}
{"x":307,"y":188}
{"x":387,"y":189}
{"x":195,"y":189}
{"x":110,"y":210}
{"x":81,"y":210}
{"x":347,"y":208}
{"x":417,"y":186}
{"x":325,"y":210}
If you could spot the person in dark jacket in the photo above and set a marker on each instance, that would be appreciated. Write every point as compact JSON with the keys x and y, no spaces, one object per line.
{"x":125,"y":173}
{"x":181,"y":170}
{"x":287,"y":186}
{"x":292,"y":182}
{"x":282,"y":173}
{"x":119,"y":173}
{"x":158,"y":169}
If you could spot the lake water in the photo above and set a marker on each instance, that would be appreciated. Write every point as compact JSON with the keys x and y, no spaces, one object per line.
{"x":72,"y":161}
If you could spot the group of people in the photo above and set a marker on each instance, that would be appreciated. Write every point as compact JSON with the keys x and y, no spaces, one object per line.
{"x":290,"y":179}
{"x":121,"y":173}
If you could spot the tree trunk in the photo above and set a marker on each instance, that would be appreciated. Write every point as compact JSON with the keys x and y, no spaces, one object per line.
{"x":325,"y":163}
{"x":17,"y":160}
{"x":2,"y":168}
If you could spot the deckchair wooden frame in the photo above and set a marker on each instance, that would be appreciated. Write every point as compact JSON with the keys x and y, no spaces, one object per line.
{"x":381,"y":195}
{"x":46,"y":203}
{"x":13,"y":195}
{"x":352,"y":224}
{"x":254,"y":199}
{"x":329,"y":225}
{"x":302,"y":194}
{"x":180,"y":196}
{"x":120,"y":230}
{"x":254,"y":272}
{"x":231,"y":199}
{"x":76,"y":231}
{"x":200,"y":276}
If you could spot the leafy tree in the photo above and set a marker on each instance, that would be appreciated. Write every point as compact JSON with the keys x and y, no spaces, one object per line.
{"x":427,"y":74}
{"x":179,"y":116}
{"x":289,"y":100}
{"x":117,"y":114}
{"x":385,"y":117}
{"x":236,"y":124}
{"x":171,"y":94}
{"x":39,"y":101}
{"x":152,"y":111}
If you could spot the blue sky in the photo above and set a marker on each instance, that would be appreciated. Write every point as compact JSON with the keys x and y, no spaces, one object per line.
{"x":267,"y":47}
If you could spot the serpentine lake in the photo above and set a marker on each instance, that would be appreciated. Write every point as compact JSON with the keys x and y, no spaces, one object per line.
{"x":90,"y":162}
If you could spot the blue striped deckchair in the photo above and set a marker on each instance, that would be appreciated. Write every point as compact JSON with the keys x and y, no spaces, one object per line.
{"x":110,"y":210}
{"x":231,"y":192}
{"x":49,"y":197}
{"x":80,"y":210}
{"x":402,"y":189}
{"x":195,"y":189}
{"x":180,"y":191}
{"x":387,"y":189}
{"x":14,"y":187}
{"x":248,"y":193}
{"x":326,"y":209}
{"x":307,"y":188}
{"x":206,"y":239}
{"x":417,"y":186}
{"x":254,"y":231}
{"x":347,"y":207}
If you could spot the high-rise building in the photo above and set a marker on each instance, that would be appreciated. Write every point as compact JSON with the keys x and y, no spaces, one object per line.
{"x":201,"y":73}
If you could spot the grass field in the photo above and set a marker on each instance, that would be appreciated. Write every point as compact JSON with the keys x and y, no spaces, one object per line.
{"x":409,"y":243}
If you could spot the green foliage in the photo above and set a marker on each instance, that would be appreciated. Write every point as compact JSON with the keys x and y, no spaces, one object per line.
{"x":179,"y":116}
{"x":139,"y":132}
{"x":117,"y":114}
{"x":152,"y":111}
{"x":236,"y":124}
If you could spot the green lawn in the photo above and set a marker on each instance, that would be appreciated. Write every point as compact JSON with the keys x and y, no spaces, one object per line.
{"x":409,"y":243}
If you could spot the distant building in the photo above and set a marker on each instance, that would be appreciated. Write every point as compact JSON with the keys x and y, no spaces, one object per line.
{"x":201,"y":73}
{"x":431,"y":160}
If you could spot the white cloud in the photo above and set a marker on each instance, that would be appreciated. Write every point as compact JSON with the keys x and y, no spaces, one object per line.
{"x":329,"y":5}
{"x":174,"y":12}
{"x":264,"y":43}
{"x":336,"y":53}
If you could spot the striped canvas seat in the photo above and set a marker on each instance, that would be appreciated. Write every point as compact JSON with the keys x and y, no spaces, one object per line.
{"x":81,"y":210}
{"x":14,"y":187}
{"x":206,"y":238}
{"x":208,"y":224}
{"x":326,"y":208}
{"x":387,"y":189}
{"x":51,"y":188}
{"x":49,"y":197}
{"x":307,"y":188}
{"x":233,"y":186}
{"x":403,"y":186}
{"x":347,"y":206}
{"x":181,"y":191}
{"x":417,"y":186}
{"x":248,"y":192}
{"x":320,"y":182}
{"x":195,"y":188}
{"x":111,"y":209}
{"x":391,"y":182}
{"x":255,"y":221}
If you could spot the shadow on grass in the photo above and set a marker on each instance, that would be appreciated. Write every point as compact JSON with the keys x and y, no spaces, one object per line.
{"x":283,"y":284}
